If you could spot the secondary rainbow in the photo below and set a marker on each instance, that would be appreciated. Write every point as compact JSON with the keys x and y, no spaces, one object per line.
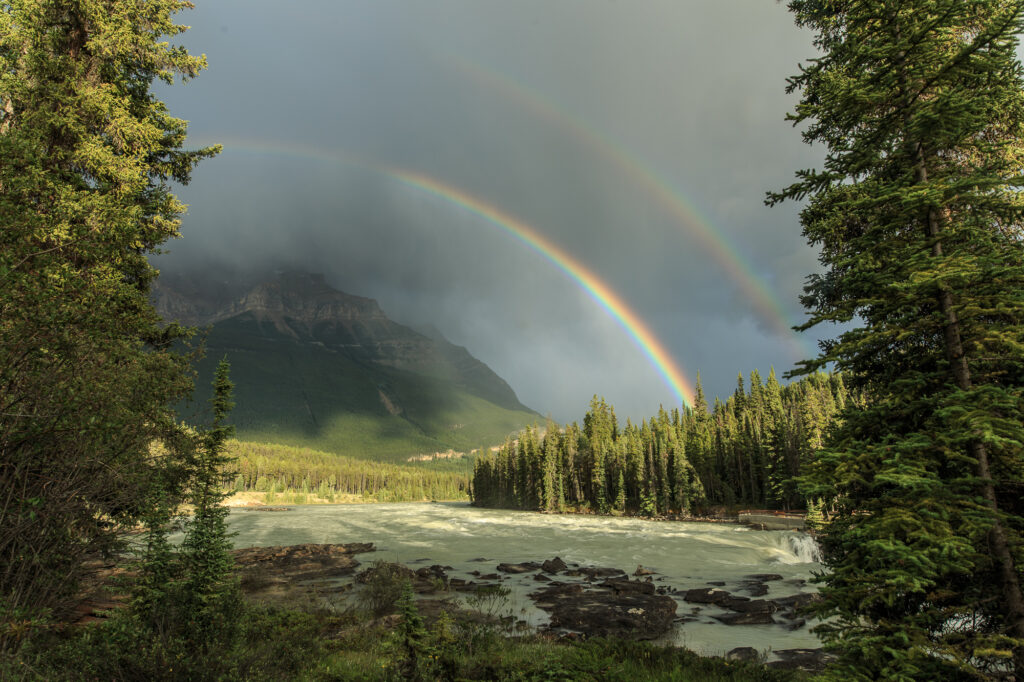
{"x":591,"y":283}
{"x":597,"y":289}
{"x":698,"y":227}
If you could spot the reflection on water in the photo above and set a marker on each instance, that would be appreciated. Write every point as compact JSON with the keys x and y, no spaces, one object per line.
{"x":684,"y":555}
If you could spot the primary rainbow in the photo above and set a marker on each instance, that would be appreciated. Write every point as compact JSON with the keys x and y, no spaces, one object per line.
{"x":597,"y":289}
{"x":591,"y":283}
{"x":764,"y":301}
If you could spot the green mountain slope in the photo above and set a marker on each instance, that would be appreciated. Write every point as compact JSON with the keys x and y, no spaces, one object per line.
{"x":317,"y":368}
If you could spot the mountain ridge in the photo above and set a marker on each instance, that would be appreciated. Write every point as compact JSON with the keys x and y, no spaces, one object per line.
{"x":310,"y":361}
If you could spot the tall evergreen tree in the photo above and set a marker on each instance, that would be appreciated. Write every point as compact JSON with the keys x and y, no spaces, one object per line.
{"x":210,"y":590}
{"x":918,"y":214}
{"x":87,"y":156}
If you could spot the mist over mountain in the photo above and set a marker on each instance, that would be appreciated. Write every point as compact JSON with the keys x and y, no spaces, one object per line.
{"x":317,"y":366}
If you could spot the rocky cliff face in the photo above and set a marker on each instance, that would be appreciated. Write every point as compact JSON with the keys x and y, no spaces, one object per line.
{"x":305,"y":309}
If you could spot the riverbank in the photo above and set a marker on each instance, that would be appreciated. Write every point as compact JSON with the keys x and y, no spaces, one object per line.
{"x":254,"y":498}
{"x":473,"y":541}
{"x":342,"y":606}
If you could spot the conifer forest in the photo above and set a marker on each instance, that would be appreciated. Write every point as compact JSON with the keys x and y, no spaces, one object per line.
{"x":747,"y":450}
{"x":603,"y":197}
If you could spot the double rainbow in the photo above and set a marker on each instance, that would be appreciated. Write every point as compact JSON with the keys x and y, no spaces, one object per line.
{"x":597,"y":289}
{"x":684,"y":213}
{"x":591,"y":283}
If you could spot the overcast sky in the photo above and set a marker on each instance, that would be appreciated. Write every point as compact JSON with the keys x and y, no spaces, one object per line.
{"x":592,"y":121}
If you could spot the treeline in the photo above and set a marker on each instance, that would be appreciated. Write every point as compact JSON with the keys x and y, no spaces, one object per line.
{"x":272,"y":468}
{"x":748,"y":450}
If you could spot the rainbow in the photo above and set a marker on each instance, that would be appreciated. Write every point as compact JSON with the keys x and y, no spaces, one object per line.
{"x":591,"y":283}
{"x":597,"y":289}
{"x":697,"y":226}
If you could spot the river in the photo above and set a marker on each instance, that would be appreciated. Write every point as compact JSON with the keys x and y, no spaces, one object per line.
{"x":684,"y":555}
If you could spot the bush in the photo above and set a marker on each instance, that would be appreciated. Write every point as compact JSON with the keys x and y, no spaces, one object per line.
{"x":270,"y":645}
{"x":383,"y":585}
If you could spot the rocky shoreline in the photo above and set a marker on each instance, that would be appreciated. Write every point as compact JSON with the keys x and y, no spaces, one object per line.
{"x":581,"y":601}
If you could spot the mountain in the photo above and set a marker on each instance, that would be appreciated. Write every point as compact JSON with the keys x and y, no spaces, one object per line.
{"x":318,"y":367}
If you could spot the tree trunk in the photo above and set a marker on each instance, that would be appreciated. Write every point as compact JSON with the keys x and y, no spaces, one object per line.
{"x":1013,"y":599}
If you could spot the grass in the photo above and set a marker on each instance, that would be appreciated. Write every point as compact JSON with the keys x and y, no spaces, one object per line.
{"x":536,"y":659}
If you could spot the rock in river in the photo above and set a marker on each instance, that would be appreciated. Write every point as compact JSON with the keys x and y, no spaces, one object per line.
{"x":706,"y":595}
{"x":755,"y":618}
{"x":743,"y":653}
{"x":630,"y":615}
{"x":524,"y":567}
{"x":624,"y":586}
{"x":600,"y":572}
{"x":301,"y":562}
{"x":554,"y":565}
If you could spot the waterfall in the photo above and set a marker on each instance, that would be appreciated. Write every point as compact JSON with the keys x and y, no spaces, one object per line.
{"x":805,"y":547}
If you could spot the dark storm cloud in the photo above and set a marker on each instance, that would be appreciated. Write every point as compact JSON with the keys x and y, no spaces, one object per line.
{"x":691,"y":91}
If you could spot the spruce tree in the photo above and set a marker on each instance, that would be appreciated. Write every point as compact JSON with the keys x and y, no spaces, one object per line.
{"x":210,"y":590}
{"x":87,"y":377}
{"x":917,"y":212}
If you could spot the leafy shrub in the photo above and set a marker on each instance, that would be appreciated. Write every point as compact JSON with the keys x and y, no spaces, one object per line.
{"x":383,"y":585}
{"x":270,"y":645}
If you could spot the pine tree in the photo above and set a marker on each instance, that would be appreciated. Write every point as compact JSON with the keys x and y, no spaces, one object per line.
{"x":210,"y":590}
{"x":918,"y":213}
{"x":87,"y":377}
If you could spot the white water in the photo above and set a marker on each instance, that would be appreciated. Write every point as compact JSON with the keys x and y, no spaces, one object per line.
{"x":804,"y":548}
{"x":684,"y":555}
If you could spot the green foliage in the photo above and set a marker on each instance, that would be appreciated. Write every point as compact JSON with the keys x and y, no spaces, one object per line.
{"x":411,"y":652}
{"x":263,"y":466}
{"x":191,"y":597}
{"x":750,"y":449}
{"x":536,"y":659}
{"x":86,"y":377}
{"x":308,"y":396}
{"x":917,"y":212}
{"x":210,"y":599}
{"x":383,"y":586}
{"x":268,"y":645}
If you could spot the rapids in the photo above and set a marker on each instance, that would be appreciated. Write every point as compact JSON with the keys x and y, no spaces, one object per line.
{"x":684,"y":555}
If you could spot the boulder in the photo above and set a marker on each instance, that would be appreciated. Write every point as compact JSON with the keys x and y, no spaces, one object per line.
{"x":385,"y":569}
{"x":626,"y":585}
{"x":706,"y":595}
{"x":435,"y":572}
{"x":640,"y":570}
{"x":764,"y":577}
{"x":797,"y":601}
{"x":300,"y":562}
{"x":425,"y":580}
{"x":743,"y":605}
{"x":600,"y":572}
{"x":554,"y":565}
{"x":629,"y":615}
{"x":755,"y":589}
{"x":811,"y":660}
{"x":524,"y":567}
{"x":756,"y":618}
{"x":743,"y":653}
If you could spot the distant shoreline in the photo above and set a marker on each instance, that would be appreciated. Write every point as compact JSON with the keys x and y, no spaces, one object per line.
{"x":253,"y":500}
